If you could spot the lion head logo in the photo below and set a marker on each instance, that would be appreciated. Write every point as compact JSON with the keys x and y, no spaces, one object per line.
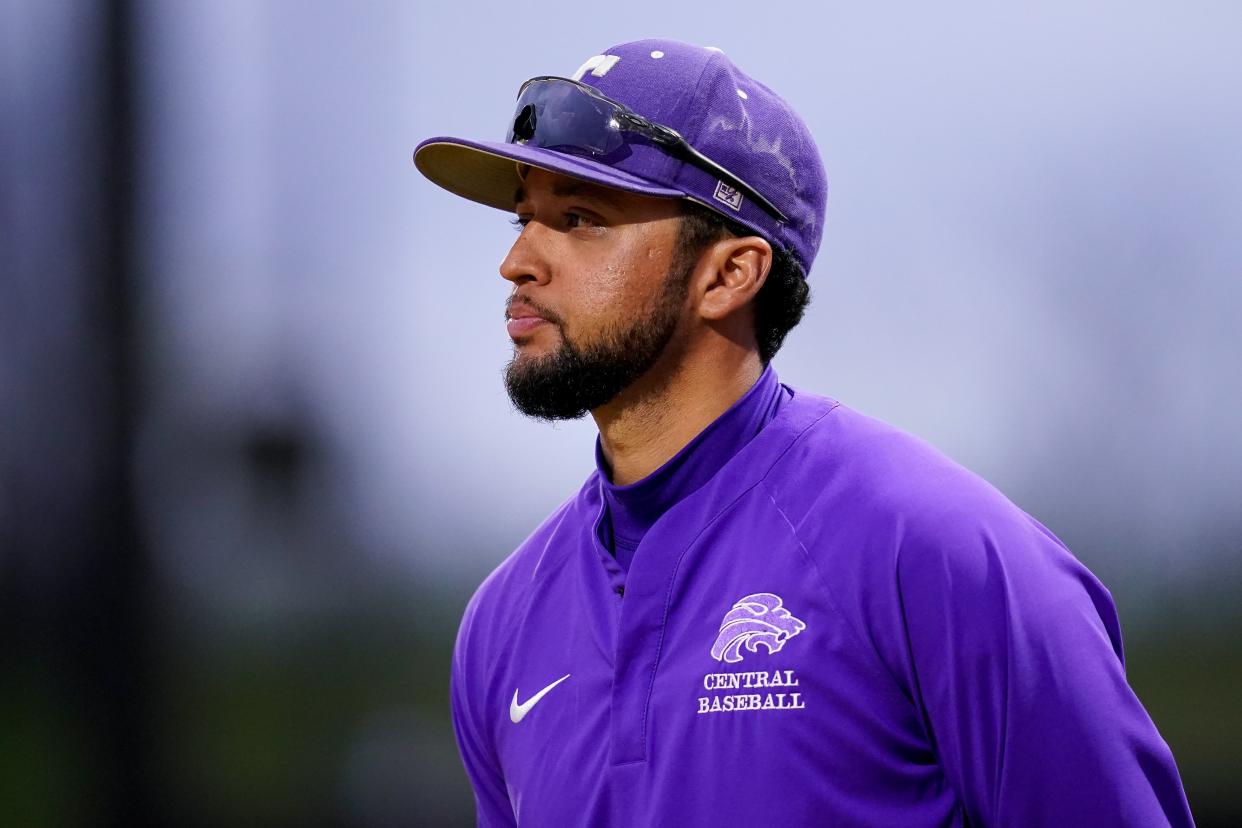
{"x":754,"y":620}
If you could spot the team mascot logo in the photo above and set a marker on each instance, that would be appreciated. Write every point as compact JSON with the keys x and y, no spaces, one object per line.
{"x":754,"y":620}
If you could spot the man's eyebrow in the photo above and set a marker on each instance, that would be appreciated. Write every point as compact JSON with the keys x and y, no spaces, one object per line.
{"x":590,"y":192}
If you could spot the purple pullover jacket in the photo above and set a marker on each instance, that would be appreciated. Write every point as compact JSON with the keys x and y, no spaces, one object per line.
{"x":833,"y":624}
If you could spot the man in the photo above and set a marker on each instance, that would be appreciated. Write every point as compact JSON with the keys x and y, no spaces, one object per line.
{"x":762,"y":607}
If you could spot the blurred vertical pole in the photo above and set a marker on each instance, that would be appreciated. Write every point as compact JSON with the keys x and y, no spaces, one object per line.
{"x":76,"y":665}
{"x":115,"y":643}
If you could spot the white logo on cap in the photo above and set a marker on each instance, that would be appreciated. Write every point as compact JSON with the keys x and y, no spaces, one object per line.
{"x":598,"y":66}
{"x":727,"y":195}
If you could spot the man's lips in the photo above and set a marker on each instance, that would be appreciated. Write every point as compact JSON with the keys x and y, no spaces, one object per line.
{"x":523,"y":319}
{"x":522,"y":325}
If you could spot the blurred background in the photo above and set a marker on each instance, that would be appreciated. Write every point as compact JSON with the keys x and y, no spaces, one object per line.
{"x":256,"y":454}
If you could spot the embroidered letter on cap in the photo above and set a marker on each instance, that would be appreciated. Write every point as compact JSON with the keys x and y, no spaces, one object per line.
{"x":598,"y":64}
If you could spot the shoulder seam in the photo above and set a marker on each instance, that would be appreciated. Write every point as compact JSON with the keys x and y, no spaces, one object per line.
{"x":798,"y":437}
{"x":861,"y":639}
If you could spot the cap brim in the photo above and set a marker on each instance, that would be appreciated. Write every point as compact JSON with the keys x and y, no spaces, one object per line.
{"x":487,"y":171}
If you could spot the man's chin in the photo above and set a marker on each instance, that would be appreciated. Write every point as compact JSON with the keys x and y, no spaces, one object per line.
{"x":541,"y":401}
{"x":531,"y":362}
{"x":527,"y":350}
{"x":547,"y":383}
{"x":541,"y":343}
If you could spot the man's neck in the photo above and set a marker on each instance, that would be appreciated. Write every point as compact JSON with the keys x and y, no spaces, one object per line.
{"x":655,"y":418}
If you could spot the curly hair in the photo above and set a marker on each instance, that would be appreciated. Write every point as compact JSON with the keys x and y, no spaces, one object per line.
{"x":784,"y":297}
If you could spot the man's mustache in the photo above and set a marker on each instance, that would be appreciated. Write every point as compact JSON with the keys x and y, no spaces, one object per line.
{"x":531,"y":306}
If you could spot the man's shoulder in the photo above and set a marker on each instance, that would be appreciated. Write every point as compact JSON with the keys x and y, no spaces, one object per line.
{"x":879,"y":474}
{"x":876,"y":506}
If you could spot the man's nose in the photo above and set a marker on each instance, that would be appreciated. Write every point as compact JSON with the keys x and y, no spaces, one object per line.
{"x":525,"y":261}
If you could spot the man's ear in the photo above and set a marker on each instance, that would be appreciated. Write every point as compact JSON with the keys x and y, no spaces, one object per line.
{"x":730,"y":273}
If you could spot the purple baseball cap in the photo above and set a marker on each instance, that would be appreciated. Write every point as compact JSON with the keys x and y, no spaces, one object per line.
{"x":725,"y":115}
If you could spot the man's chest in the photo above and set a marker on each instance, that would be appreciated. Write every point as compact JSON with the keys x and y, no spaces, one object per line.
{"x":724,"y":682}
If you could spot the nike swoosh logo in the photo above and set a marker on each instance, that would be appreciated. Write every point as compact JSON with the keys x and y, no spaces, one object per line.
{"x":517,"y":712}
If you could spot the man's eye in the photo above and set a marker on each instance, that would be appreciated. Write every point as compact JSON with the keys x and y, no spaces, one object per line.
{"x":578,"y":220}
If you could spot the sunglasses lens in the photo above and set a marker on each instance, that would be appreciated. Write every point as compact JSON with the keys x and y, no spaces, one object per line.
{"x":524,"y":124}
{"x":560,"y":116}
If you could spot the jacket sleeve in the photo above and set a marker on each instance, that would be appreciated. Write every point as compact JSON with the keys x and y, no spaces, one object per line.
{"x":482,"y":767}
{"x":1017,"y":661}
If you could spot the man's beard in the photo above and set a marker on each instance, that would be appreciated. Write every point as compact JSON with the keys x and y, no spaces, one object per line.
{"x":568,"y":383}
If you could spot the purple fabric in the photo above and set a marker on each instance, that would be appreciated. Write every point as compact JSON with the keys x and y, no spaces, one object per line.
{"x":841,"y":627}
{"x":695,"y":90}
{"x":721,"y":111}
{"x":631,"y":510}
